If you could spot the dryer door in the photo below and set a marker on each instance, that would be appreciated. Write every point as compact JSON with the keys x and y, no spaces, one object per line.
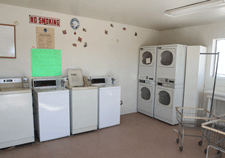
{"x":147,"y":57}
{"x":145,"y":93}
{"x":164,"y":97}
{"x":166,"y":58}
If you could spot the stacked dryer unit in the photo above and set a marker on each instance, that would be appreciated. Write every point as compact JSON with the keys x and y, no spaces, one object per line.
{"x":147,"y":72}
{"x":169,"y":82}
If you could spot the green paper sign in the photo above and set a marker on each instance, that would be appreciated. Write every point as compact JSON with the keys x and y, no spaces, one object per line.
{"x":46,"y":62}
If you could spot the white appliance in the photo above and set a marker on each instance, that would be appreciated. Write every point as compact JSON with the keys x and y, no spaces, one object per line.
{"x":83,"y":109}
{"x":83,"y":104}
{"x":51,"y":110}
{"x":146,"y":97}
{"x":16,"y":113}
{"x":167,"y":97}
{"x":109,"y":97}
{"x":109,"y":106}
{"x":195,"y":75}
{"x":171,"y":62}
{"x":147,"y":62}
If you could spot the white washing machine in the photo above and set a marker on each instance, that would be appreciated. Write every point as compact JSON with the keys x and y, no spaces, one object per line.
{"x":83,"y":103}
{"x":171,"y":62}
{"x":51,"y":110}
{"x":167,"y":97}
{"x":109,"y":97}
{"x":83,"y":109}
{"x":147,"y":62}
{"x":16,"y":113}
{"x":146,"y":97}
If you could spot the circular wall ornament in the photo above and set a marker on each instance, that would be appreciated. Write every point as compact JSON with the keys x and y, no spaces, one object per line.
{"x":74,"y":23}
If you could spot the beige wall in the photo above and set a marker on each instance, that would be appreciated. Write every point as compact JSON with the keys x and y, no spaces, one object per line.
{"x":198,"y":35}
{"x":103,"y":55}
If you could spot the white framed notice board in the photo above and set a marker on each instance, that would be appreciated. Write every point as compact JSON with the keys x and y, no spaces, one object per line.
{"x":7,"y":41}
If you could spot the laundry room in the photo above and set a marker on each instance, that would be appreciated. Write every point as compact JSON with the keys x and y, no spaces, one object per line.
{"x":112,"y":79}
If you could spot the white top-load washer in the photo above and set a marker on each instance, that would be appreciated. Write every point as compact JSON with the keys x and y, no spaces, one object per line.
{"x":108,"y":101}
{"x":16,"y":113}
{"x":83,"y":109}
{"x":51,"y":109}
{"x":83,"y":103}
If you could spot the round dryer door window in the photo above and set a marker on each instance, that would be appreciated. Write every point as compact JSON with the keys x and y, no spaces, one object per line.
{"x":147,"y":58}
{"x":164,"y":98}
{"x":166,"y":58}
{"x":145,"y":93}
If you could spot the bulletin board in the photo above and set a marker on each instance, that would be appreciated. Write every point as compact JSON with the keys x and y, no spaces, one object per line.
{"x":7,"y":41}
{"x":46,"y":62}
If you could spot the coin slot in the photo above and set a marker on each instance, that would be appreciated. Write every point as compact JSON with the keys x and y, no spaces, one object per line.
{"x":160,"y":84}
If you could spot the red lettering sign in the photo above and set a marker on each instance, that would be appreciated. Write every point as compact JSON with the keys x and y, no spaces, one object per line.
{"x":44,"y":20}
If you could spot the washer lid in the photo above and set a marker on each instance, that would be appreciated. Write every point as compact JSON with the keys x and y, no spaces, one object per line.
{"x":7,"y":91}
{"x":104,"y":87}
{"x":81,"y":88}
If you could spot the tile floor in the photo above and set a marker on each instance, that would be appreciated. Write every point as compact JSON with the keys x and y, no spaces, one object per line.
{"x":138,"y":136}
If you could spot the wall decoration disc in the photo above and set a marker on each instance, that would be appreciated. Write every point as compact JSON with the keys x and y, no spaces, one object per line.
{"x":74,"y":23}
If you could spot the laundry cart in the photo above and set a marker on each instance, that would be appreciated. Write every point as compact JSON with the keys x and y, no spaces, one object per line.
{"x":191,"y":118}
{"x":214,"y":132}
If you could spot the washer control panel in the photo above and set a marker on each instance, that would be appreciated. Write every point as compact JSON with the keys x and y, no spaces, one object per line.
{"x":145,"y":81}
{"x":10,"y":80}
{"x":166,"y":82}
{"x":145,"y":78}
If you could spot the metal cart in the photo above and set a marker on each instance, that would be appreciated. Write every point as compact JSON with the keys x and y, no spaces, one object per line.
{"x":194,"y":117}
{"x":191,"y":118}
{"x":214,"y":132}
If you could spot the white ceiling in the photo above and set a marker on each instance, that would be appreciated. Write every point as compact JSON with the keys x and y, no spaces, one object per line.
{"x":143,"y":13}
